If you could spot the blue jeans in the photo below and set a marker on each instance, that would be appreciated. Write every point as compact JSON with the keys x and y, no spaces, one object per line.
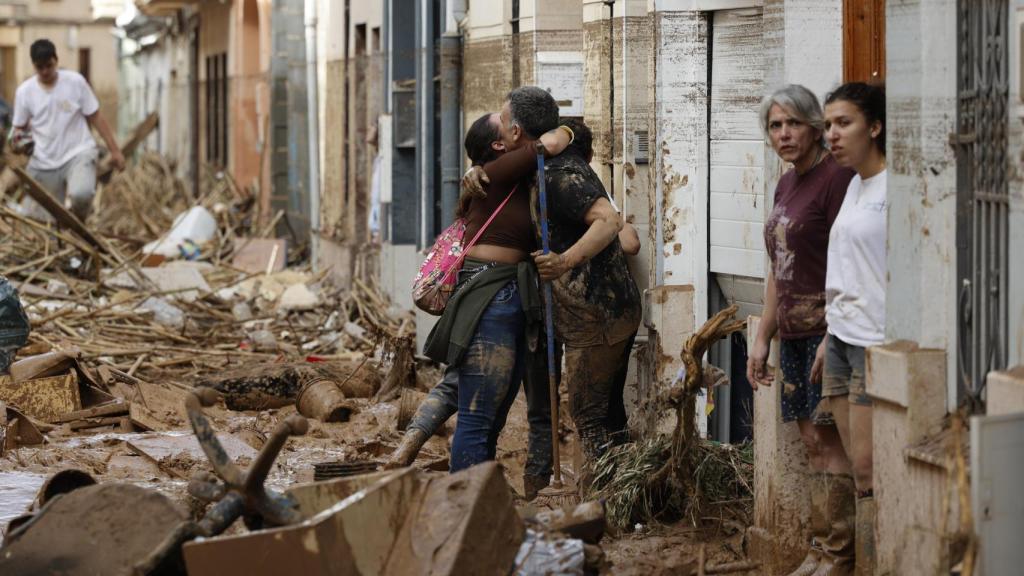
{"x":489,"y":379}
{"x":443,"y":402}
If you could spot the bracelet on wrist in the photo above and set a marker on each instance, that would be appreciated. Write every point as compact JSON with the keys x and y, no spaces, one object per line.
{"x":572,"y":135}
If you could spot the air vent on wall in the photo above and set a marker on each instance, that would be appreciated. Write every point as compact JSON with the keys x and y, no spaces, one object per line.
{"x":641,"y":147}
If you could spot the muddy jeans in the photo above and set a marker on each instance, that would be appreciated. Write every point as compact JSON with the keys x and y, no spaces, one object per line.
{"x":440,"y":404}
{"x":489,"y":377}
{"x":443,"y":402}
{"x":592,"y":372}
{"x":617,"y":417}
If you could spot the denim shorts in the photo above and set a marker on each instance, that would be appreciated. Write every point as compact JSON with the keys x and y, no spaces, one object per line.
{"x":801,"y":399}
{"x":844,"y":372}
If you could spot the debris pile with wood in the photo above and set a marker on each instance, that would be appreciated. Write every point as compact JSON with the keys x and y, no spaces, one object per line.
{"x":680,"y":476}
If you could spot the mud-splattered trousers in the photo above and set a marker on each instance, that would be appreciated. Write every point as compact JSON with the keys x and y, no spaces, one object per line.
{"x":488,"y":378}
{"x":443,"y":402}
{"x":591,"y":373}
{"x":801,"y":398}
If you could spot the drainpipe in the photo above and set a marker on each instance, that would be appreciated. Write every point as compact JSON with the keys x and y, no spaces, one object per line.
{"x":313,"y":135}
{"x":611,"y":94}
{"x":451,"y":63}
{"x":425,"y":111}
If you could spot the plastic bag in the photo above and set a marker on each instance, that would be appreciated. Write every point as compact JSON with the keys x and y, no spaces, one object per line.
{"x":14,"y":325}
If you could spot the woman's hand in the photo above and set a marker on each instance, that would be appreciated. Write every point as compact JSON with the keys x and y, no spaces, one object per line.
{"x":818,"y":368}
{"x":473,"y":183}
{"x":758,"y":373}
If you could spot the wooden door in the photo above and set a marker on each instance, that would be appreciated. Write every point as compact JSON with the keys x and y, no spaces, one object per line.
{"x":863,"y":40}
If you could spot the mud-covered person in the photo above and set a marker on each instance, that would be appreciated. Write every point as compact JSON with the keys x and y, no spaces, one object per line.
{"x":482,"y":333}
{"x":58,"y":108}
{"x":596,"y":300}
{"x":796,"y":235}
{"x":855,"y":287}
{"x":583,"y":146}
{"x":484,"y":147}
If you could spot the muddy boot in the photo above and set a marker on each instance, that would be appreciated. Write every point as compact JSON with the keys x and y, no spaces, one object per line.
{"x":533,"y":484}
{"x":406,"y":452}
{"x":840,"y":510}
{"x":819,"y":527}
{"x":866,"y":536}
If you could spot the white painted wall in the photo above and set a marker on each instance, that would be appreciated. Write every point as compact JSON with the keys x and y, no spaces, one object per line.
{"x":736,"y":186}
{"x":680,"y":155}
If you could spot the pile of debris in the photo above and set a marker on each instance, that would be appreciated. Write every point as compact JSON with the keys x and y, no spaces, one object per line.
{"x":165,"y":288}
{"x":393,"y":522}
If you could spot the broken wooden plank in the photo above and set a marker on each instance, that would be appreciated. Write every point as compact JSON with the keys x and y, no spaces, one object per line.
{"x":121,"y":423}
{"x":43,"y":365}
{"x":140,"y":133}
{"x":59,"y":213}
{"x":86,"y":423}
{"x":158,"y":408}
{"x":151,"y":406}
{"x":44,"y":398}
{"x":117,"y":407}
{"x":17,"y":429}
{"x":161,"y":448}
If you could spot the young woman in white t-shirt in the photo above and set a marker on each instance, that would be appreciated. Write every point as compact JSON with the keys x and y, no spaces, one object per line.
{"x":855,"y":286}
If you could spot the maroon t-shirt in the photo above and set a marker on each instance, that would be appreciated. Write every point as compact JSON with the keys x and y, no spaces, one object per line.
{"x":513,"y":227}
{"x":796,"y":237}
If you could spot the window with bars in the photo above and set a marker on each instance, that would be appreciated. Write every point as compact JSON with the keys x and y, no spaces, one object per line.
{"x":217,"y":109}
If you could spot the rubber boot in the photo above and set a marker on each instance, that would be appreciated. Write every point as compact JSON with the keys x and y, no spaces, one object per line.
{"x":406,"y":452}
{"x":533,"y":484}
{"x":838,"y":546}
{"x":866,"y":536}
{"x":819,"y":527}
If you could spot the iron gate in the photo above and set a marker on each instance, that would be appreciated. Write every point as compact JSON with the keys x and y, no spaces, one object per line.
{"x":982,"y":192}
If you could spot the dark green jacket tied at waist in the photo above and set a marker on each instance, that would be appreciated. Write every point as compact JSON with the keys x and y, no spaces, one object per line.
{"x":455,"y":329}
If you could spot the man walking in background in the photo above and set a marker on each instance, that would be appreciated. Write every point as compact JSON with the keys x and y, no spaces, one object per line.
{"x":57,"y":107}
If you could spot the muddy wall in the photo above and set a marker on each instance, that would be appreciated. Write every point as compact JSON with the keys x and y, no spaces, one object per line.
{"x":921,"y":113}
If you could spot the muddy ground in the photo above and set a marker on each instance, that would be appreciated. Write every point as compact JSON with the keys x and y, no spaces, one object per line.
{"x":370,"y":435}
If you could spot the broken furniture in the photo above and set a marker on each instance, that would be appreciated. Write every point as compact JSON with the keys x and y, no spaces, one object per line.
{"x":400,"y":522}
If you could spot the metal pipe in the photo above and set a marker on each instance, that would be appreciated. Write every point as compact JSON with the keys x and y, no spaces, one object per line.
{"x":611,"y":95}
{"x":425,"y":110}
{"x":313,"y":134}
{"x":451,"y":62}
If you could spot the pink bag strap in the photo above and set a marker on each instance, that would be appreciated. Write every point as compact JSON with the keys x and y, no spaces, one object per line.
{"x":479,"y":233}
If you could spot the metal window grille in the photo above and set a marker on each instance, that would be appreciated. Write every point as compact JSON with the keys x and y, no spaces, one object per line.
{"x":982,"y":191}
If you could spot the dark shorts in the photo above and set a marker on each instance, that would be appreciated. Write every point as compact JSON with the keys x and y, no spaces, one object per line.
{"x":800,"y":397}
{"x":844,"y":372}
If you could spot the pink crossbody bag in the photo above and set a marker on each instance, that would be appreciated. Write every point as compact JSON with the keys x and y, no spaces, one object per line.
{"x":439,"y":273}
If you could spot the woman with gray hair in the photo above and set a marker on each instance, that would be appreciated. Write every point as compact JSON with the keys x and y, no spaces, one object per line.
{"x":796,"y":233}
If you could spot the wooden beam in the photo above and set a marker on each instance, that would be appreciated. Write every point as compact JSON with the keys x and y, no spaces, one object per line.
{"x":140,"y":133}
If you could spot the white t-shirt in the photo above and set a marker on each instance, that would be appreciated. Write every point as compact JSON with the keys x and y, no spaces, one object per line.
{"x":855,"y":279}
{"x":56,"y":116}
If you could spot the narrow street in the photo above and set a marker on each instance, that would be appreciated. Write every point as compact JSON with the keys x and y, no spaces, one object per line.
{"x":626,"y":287}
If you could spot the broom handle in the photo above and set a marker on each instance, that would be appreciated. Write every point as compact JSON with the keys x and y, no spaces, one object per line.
{"x":549,"y":327}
